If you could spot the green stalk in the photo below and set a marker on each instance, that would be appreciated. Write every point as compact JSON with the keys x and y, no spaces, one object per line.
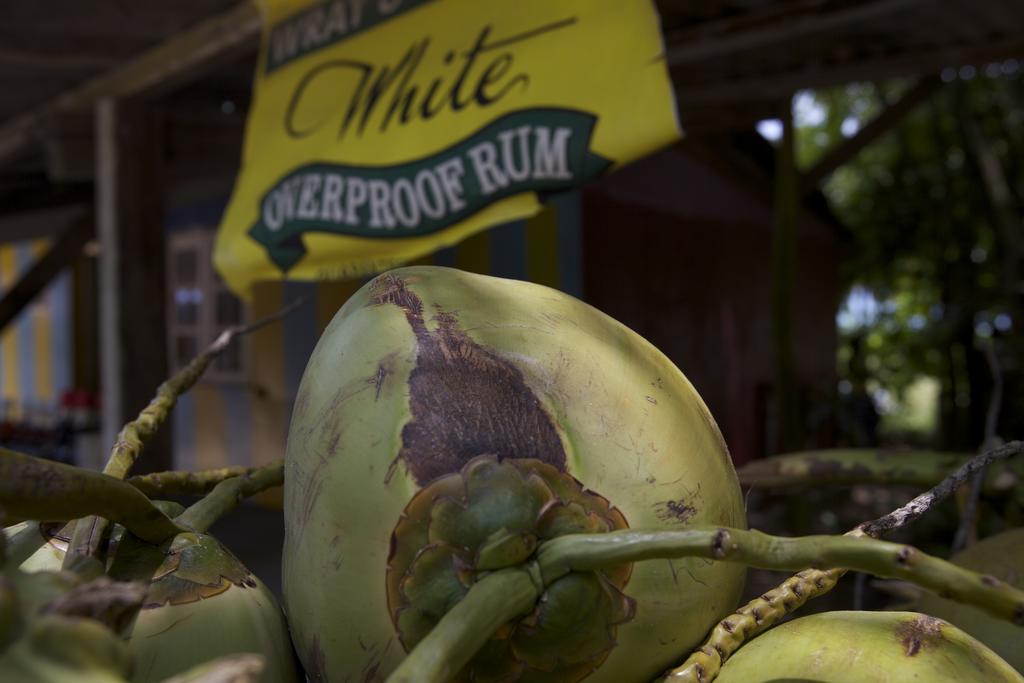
{"x":492,"y":602}
{"x":845,"y":467}
{"x":487,"y":606}
{"x":201,"y":515}
{"x":133,"y":436}
{"x":130,"y":440}
{"x":37,"y":489}
{"x":23,"y":544}
{"x":762,"y":613}
{"x":128,"y":445}
{"x":584,"y":552}
{"x":176,"y":483}
{"x":757,"y":616}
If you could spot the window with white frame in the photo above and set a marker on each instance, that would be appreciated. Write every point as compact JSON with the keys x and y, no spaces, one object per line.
{"x":201,"y":306}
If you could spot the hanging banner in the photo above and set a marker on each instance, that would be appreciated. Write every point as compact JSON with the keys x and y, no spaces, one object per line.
{"x":383,"y":130}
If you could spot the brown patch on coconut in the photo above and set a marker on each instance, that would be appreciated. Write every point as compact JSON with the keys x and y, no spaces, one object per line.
{"x":679,"y":511}
{"x":384,"y":369}
{"x":989,"y":580}
{"x":465,"y":399}
{"x":919,"y":633}
{"x":316,"y":663}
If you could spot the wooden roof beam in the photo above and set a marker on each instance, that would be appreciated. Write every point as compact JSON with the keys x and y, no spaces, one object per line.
{"x":793,"y":20}
{"x":884,"y":122}
{"x":61,"y":255}
{"x":773,"y":86}
{"x":27,"y":200}
{"x":177,"y":60}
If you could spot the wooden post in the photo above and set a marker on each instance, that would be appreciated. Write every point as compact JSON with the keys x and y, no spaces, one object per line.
{"x":85,"y":325}
{"x":784,"y":243}
{"x":129,"y":225}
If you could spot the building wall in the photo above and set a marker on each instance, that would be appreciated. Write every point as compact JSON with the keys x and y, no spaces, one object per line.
{"x":36,"y":351}
{"x":690,"y":269}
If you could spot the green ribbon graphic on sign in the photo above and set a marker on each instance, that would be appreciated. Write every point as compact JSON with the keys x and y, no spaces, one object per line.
{"x":532,"y":150}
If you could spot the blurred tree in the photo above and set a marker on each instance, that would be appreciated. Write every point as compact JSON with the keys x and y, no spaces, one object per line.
{"x":935,"y":207}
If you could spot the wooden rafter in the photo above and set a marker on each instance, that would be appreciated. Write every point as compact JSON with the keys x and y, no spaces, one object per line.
{"x":793,"y":20}
{"x":25,"y":200}
{"x":882,"y":123}
{"x":166,"y":65}
{"x":735,"y":91}
{"x":62,"y":254}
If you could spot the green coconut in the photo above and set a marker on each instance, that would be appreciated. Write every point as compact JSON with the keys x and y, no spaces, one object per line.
{"x":201,"y":604}
{"x":426,"y":370}
{"x":1001,"y":556}
{"x":60,"y":650}
{"x":866,"y":647}
{"x":57,"y":626}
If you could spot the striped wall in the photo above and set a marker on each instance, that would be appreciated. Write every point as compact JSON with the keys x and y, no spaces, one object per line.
{"x":220,"y":424}
{"x":36,"y":351}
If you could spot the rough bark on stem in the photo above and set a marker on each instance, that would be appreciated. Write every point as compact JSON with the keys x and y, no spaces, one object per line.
{"x":175,"y":483}
{"x":201,"y":515}
{"x":133,"y":436}
{"x":37,"y":489}
{"x":922,"y":503}
{"x":128,"y":445}
{"x":490,"y":603}
{"x":756,"y":616}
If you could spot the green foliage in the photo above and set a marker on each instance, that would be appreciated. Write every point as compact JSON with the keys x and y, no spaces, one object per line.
{"x":934,"y":207}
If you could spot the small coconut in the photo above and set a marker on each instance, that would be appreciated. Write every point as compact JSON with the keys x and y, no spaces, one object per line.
{"x":202,"y":603}
{"x":1001,"y":556}
{"x":866,"y":647}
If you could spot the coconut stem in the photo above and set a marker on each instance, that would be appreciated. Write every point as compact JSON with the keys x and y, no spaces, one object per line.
{"x":704,"y":663}
{"x":757,"y":616}
{"x":133,"y":436}
{"x":33,"y":488}
{"x":23,"y":543}
{"x":201,"y":515}
{"x":583,"y":552}
{"x":922,"y":503}
{"x":843,"y":467}
{"x":492,"y":602}
{"x":176,"y":483}
{"x":495,"y":600}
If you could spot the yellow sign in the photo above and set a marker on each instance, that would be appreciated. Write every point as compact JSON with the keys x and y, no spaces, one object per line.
{"x":382,"y":130}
